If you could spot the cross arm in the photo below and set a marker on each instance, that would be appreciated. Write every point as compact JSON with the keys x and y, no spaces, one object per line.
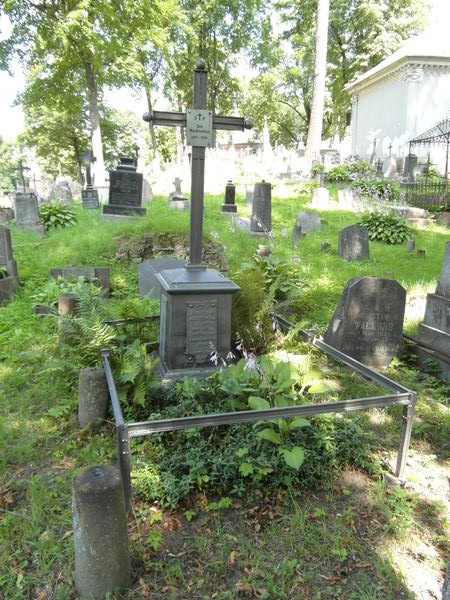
{"x":231,"y":123}
{"x":161,"y":117}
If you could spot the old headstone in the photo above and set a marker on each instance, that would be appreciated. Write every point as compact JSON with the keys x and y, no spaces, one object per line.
{"x":320,"y":197}
{"x":410,"y":166}
{"x":434,"y":331}
{"x":89,"y":196}
{"x":61,"y":192}
{"x":177,"y":198}
{"x":261,"y":218}
{"x":354,"y":243}
{"x":230,"y":197}
{"x":9,"y":280}
{"x":125,"y":190}
{"x":195,"y":301}
{"x":368,"y":321}
{"x":305,"y":223}
{"x":6,"y":214}
{"x":26,"y":209}
{"x":97,"y":275}
{"x":345,"y":198}
{"x":147,"y":271}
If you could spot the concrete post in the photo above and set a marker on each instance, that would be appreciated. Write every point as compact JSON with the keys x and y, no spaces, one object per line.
{"x":93,"y":396}
{"x":102,"y":561}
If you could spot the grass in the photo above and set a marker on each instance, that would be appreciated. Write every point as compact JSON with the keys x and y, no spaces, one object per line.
{"x":341,"y":539}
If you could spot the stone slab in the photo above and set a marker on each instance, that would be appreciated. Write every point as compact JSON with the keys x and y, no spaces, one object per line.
{"x":354,"y":243}
{"x":437,"y":312}
{"x":368,"y":321}
{"x":437,"y":339}
{"x":147,"y":271}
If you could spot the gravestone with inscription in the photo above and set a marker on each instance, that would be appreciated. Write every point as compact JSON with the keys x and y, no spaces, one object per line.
{"x":9,"y":280}
{"x":354,"y":243}
{"x":368,"y":321}
{"x":434,"y":331}
{"x":125,"y":190}
{"x":195,"y":312}
{"x":26,"y":210}
{"x":261,"y":218}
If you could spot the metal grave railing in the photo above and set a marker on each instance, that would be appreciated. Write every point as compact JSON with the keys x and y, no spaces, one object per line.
{"x":399,"y":396}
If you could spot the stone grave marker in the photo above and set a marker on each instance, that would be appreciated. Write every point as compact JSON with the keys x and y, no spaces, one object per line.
{"x":61,"y":192}
{"x":99,"y":275}
{"x":368,"y":321}
{"x":320,"y":197}
{"x":148,"y":270}
{"x":89,"y":196}
{"x":305,"y":223}
{"x":345,"y":198}
{"x":9,"y":280}
{"x":195,"y":311}
{"x":176,"y":198}
{"x":354,"y":243}
{"x":230,"y":198}
{"x":434,"y":331}
{"x":26,"y":209}
{"x":261,"y":218}
{"x":125,"y":190}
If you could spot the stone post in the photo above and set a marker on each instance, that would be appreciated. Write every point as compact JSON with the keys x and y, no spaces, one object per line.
{"x":102,"y":561}
{"x":93,"y":396}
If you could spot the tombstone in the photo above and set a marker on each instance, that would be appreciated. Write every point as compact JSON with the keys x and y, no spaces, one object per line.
{"x":434,"y":331}
{"x":230,"y":198}
{"x":6,"y":214}
{"x":61,"y":192}
{"x":368,"y":321}
{"x":147,"y":192}
{"x":320,"y":197}
{"x":89,"y":196}
{"x":125,"y":190}
{"x":26,"y":209}
{"x":98,"y":275}
{"x":345,"y":198}
{"x":261,"y":218}
{"x":148,"y":283}
{"x":9,"y":280}
{"x":410,"y":166}
{"x":195,"y":312}
{"x":354,"y":243}
{"x":305,"y":223}
{"x":249,"y":197}
{"x":176,"y":198}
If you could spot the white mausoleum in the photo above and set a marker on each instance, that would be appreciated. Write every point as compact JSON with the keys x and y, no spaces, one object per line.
{"x":405,"y":95}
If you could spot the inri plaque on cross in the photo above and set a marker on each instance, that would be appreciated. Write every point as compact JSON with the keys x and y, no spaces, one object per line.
{"x":199,"y":123}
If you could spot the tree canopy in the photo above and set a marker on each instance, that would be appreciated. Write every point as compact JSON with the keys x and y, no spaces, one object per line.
{"x":72,"y":51}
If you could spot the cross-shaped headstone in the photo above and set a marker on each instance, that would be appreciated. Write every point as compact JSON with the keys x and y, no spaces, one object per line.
{"x":88,"y":160}
{"x":21,"y":168}
{"x":200,"y":124}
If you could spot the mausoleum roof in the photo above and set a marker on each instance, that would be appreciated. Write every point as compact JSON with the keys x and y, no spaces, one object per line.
{"x":430,"y":47}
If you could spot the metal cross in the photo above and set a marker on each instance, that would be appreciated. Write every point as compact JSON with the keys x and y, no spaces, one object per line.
{"x":200,"y":123}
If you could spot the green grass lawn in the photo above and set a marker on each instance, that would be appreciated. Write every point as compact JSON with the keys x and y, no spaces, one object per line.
{"x":347,"y":534}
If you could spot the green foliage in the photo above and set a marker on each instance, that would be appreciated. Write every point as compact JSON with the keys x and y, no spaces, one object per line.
{"x":349,"y":171}
{"x":3,"y":272}
{"x":387,"y":228}
{"x":377,"y":189}
{"x":56,"y":215}
{"x":317,"y":168}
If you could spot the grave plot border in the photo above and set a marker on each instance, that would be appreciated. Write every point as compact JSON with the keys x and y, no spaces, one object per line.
{"x":401,"y":396}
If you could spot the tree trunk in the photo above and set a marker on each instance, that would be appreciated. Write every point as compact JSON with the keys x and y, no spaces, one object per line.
{"x":312,"y":150}
{"x":99,"y":179}
{"x":150,"y":125}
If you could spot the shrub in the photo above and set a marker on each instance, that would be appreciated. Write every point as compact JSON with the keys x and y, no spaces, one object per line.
{"x":339,"y":173}
{"x":386,"y":228}
{"x":56,"y":215}
{"x":380,"y":189}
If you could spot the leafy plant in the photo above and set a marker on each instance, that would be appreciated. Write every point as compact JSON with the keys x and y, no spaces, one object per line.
{"x":3,"y":272}
{"x":339,"y":173}
{"x":385,"y":227}
{"x":56,"y":215}
{"x":380,"y":189}
{"x":317,"y":168}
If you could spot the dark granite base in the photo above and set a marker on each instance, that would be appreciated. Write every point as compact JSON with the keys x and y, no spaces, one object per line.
{"x":121,"y":210}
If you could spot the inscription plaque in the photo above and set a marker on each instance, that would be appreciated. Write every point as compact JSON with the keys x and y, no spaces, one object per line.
{"x":199,"y":127}
{"x":201,"y":328}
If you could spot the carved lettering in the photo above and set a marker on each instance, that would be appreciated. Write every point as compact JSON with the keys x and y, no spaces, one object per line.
{"x":201,"y":328}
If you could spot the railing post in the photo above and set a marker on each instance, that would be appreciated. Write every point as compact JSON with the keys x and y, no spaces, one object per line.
{"x":407,"y":423}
